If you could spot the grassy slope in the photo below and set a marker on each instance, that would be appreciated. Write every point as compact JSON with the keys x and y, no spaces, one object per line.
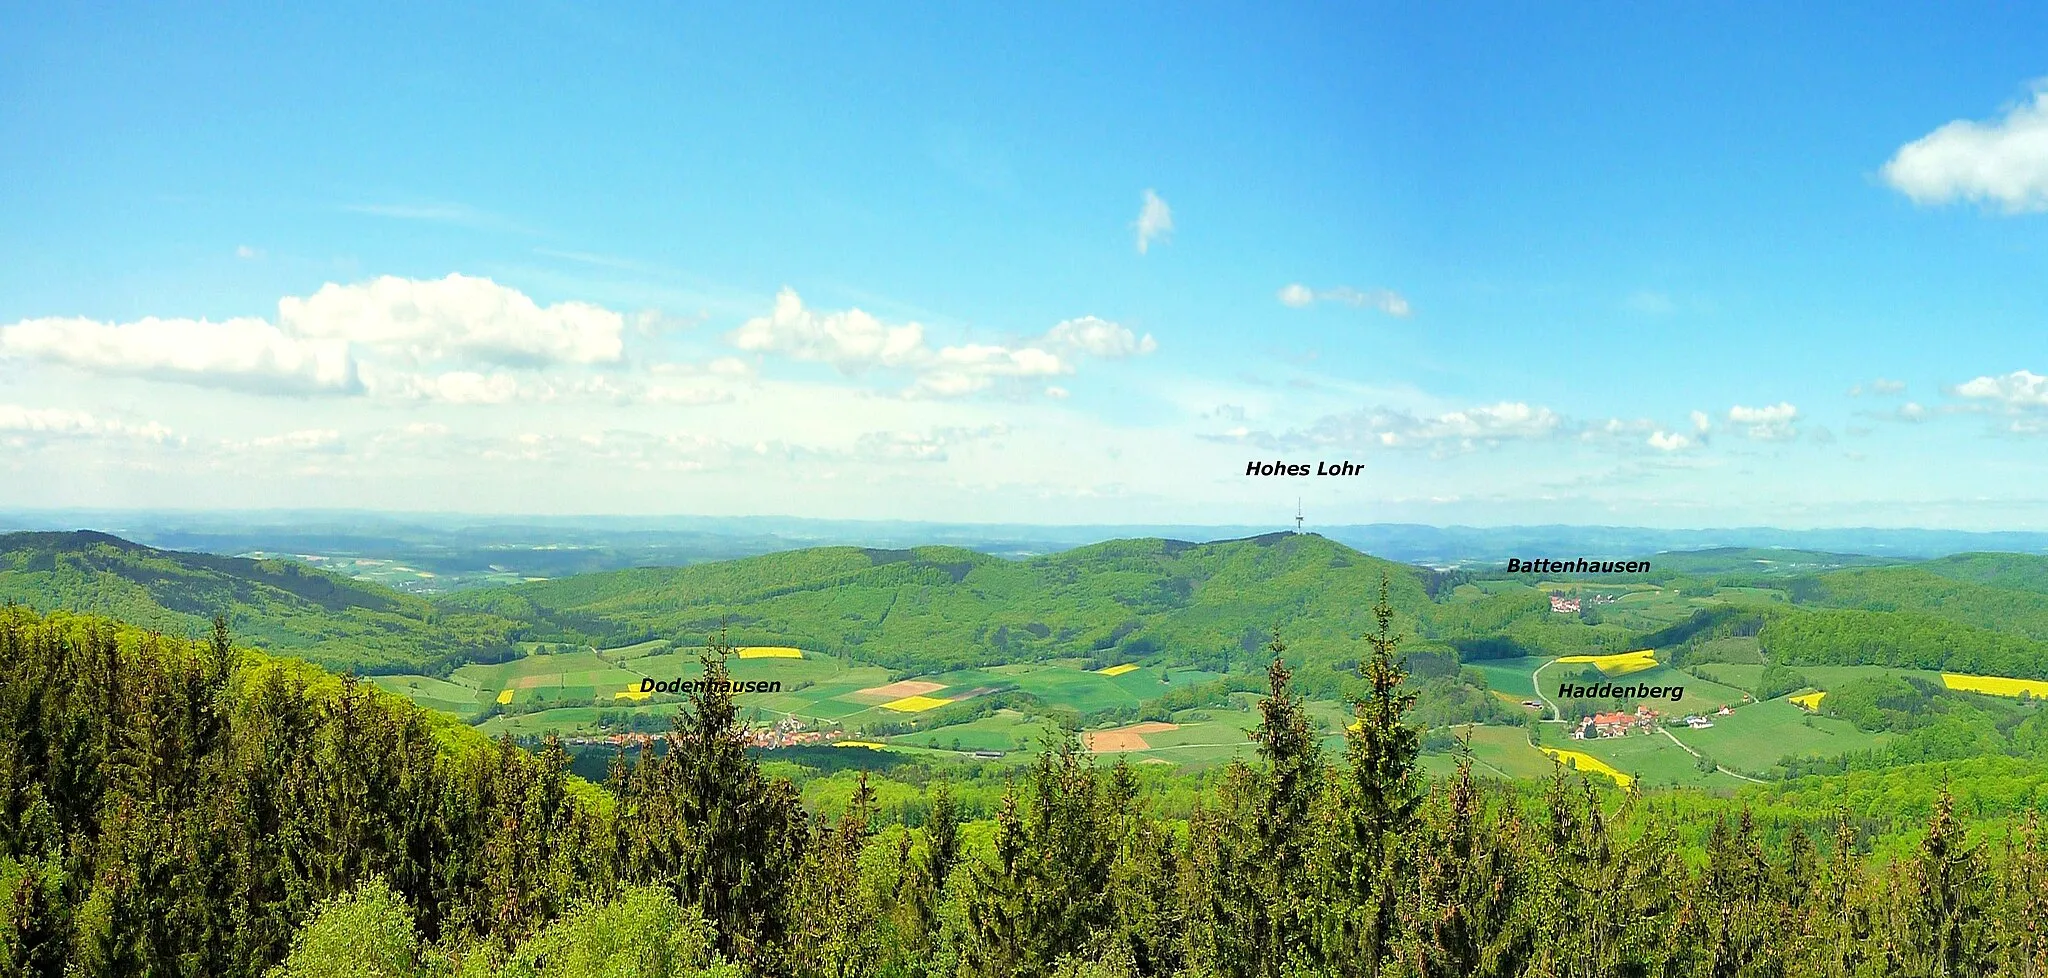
{"x":1754,"y":738}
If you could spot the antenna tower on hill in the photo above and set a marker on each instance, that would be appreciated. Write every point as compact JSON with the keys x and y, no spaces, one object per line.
{"x":1297,"y":514}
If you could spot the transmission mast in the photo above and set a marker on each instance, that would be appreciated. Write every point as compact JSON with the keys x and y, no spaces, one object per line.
{"x":1297,"y":514}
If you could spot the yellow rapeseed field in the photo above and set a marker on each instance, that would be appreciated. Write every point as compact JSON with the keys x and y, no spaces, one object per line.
{"x":914,"y":704}
{"x":505,"y":697}
{"x":1811,"y":700}
{"x":631,"y":693}
{"x":1118,"y":670}
{"x":869,"y":744}
{"x":1619,"y":664}
{"x":1995,"y":685}
{"x":771,"y":652}
{"x":1587,"y":763}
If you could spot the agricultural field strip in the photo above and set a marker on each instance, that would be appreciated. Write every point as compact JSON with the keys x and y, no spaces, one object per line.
{"x":1717,"y":768}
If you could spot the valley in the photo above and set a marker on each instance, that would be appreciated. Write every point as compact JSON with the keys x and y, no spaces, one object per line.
{"x":1153,"y":651}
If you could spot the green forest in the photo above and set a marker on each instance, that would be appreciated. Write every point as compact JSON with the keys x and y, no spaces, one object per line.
{"x":174,"y":807}
{"x":224,"y":766}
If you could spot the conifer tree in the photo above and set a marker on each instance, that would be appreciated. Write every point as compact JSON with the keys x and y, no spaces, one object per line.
{"x":703,"y":820}
{"x":1381,"y":795}
{"x":1946,"y":909}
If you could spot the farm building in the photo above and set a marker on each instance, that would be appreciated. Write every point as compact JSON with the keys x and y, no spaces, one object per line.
{"x":1617,"y":724}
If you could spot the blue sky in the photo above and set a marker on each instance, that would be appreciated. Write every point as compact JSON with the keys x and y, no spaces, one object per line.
{"x":1586,"y":264}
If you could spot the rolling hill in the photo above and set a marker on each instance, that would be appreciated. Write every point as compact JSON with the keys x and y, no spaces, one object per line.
{"x":932,"y":606}
{"x":281,"y":606}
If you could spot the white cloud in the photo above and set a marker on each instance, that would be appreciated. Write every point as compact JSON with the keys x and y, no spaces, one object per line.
{"x":731,"y":368}
{"x":247,"y":253}
{"x":18,"y":423}
{"x":851,"y":340}
{"x":1701,"y":423}
{"x":1911,"y":411}
{"x":2002,"y":162}
{"x":684,"y":395}
{"x":1155,"y":221}
{"x":1770,"y":423}
{"x":1295,"y":295}
{"x":455,"y":318}
{"x":1879,"y":388}
{"x":245,"y":353}
{"x":855,"y":341}
{"x":303,"y":440}
{"x":1665,"y":441}
{"x":1099,"y":338}
{"x":1485,"y":425}
{"x":329,"y":341}
{"x":2019,"y":389}
{"x":455,"y":387}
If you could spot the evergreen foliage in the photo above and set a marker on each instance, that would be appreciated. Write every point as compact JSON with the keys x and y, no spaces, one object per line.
{"x":186,"y":808}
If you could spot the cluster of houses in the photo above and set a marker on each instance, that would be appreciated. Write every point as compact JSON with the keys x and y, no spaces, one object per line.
{"x":1570,"y":605}
{"x":1643,"y":720}
{"x":787,"y":732}
{"x":790,"y":732}
{"x":1601,"y":725}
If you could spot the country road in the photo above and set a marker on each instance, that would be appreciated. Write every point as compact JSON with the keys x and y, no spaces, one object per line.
{"x":1717,"y":767}
{"x":1536,"y":682}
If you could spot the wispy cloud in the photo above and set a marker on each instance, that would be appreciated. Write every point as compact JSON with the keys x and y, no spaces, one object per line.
{"x":442,"y":213}
{"x":1155,"y":221}
{"x":1295,"y":295}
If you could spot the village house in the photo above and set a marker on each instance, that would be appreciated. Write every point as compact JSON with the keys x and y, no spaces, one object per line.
{"x":1563,"y":605}
{"x":1605,"y":725}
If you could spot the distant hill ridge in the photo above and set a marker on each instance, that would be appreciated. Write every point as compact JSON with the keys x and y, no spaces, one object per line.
{"x":280,"y":605}
{"x":1119,"y":599}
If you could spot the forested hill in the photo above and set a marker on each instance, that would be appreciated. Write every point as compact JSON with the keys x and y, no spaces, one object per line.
{"x":1924,"y":590}
{"x":282,"y":606}
{"x":1114,"y":601}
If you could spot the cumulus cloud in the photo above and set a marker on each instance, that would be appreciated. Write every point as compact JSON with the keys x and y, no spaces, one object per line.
{"x":2002,"y":162}
{"x":2016,"y":390}
{"x":322,"y":343}
{"x":1155,"y":221}
{"x":456,"y":318}
{"x":244,"y":353}
{"x":855,"y":341}
{"x":1295,"y":295}
{"x":1770,"y":423}
{"x":1098,"y":338}
{"x":851,"y":340}
{"x":1701,"y":423}
{"x":1665,"y":441}
{"x":19,"y":424}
